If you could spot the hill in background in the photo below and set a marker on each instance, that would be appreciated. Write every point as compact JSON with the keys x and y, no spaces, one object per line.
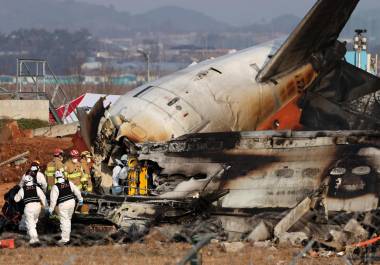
{"x":101,"y":20}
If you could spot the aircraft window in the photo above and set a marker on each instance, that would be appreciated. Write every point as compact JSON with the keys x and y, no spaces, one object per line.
{"x":284,"y":173}
{"x":215,"y":70}
{"x":142,"y":91}
{"x":310,"y":172}
{"x":173,"y":101}
{"x":361,"y":171}
{"x":338,"y":171}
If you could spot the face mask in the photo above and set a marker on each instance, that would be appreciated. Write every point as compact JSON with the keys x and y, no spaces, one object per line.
{"x":75,"y":160}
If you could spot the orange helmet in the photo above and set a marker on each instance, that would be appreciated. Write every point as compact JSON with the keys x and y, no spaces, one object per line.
{"x":58,"y":152}
{"x":74,"y":153}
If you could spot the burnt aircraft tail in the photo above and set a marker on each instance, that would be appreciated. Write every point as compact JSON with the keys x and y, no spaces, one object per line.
{"x":317,"y":33}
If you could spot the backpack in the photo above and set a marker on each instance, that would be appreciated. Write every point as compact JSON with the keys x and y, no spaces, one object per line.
{"x":12,"y":210}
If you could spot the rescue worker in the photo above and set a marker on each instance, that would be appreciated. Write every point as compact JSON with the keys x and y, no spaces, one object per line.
{"x":119,"y":173}
{"x":32,"y":196}
{"x":37,"y":176}
{"x":86,"y":162}
{"x":53,"y":166}
{"x":63,"y":195}
{"x":39,"y":180}
{"x":73,"y":169}
{"x":75,"y":173}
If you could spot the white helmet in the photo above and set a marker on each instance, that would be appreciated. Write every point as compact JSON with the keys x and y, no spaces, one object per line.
{"x":28,"y":180}
{"x":124,"y":158}
{"x":58,"y":174}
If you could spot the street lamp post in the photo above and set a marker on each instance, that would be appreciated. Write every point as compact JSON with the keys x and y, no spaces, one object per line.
{"x":360,"y":44}
{"x":147,"y":59}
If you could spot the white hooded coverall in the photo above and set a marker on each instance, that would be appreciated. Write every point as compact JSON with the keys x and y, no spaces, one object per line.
{"x":65,"y":209}
{"x":32,"y":211}
{"x":119,"y":172}
{"x":41,"y":181}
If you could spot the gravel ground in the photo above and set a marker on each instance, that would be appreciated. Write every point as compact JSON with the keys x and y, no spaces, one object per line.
{"x":158,"y":253}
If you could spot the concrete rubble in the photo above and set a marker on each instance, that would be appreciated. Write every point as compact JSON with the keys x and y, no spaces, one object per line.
{"x":358,"y":233}
{"x":232,"y":247}
{"x":260,"y":233}
{"x":57,"y":130}
{"x":294,"y":239}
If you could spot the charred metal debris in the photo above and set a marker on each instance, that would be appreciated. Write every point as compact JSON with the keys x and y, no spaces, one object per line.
{"x":267,"y":188}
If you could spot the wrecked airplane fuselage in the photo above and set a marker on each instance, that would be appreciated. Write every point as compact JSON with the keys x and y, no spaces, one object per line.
{"x":244,"y":91}
{"x":188,"y":125}
{"x":269,"y":169}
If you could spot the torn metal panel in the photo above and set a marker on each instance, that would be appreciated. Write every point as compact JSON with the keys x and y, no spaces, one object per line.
{"x":343,"y":100}
{"x":89,"y":122}
{"x":272,"y":169}
{"x":363,"y":203}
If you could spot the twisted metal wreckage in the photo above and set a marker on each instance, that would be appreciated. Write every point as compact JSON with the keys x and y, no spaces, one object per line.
{"x":219,"y":139}
{"x":201,"y":131}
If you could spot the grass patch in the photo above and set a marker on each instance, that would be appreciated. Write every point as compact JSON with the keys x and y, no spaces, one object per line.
{"x":25,"y":124}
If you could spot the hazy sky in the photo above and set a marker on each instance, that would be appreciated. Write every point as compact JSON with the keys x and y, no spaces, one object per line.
{"x":232,"y":11}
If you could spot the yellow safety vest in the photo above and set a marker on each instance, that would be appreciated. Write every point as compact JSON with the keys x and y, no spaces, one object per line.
{"x":50,"y":176}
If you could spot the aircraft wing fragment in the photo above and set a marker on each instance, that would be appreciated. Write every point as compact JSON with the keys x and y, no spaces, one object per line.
{"x":318,"y":31}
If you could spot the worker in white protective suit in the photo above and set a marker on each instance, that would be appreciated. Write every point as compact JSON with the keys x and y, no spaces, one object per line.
{"x":38,"y":177}
{"x":119,"y":173}
{"x":63,"y":195}
{"x":33,"y":197}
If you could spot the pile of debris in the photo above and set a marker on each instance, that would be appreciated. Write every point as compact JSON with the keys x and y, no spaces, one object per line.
{"x":347,"y":235}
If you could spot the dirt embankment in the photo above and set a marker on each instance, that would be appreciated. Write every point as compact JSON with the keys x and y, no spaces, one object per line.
{"x":40,"y":149}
